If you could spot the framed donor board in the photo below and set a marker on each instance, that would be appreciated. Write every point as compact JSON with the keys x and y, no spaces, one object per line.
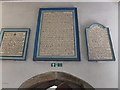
{"x":14,"y":43}
{"x":57,"y":35}
{"x":99,"y":44}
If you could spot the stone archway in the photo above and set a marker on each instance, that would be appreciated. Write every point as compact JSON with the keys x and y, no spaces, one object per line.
{"x":46,"y":80}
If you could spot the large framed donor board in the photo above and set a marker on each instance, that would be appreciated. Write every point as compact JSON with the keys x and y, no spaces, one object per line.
{"x":57,"y":35}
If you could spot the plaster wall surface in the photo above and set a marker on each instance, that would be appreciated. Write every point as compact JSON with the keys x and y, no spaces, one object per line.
{"x":24,"y":15}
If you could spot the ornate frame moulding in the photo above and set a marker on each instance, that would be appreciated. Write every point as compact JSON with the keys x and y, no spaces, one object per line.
{"x":14,"y":43}
{"x":57,"y":35}
{"x":99,"y":44}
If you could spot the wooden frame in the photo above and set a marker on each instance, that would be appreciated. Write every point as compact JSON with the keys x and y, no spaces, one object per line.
{"x":107,"y":45}
{"x":14,"y":43}
{"x":37,"y":56}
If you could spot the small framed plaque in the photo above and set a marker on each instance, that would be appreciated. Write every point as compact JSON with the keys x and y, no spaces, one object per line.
{"x":57,"y":35}
{"x":14,"y":43}
{"x":99,"y":44}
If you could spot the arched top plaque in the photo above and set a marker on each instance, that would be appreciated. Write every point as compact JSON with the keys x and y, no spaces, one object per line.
{"x":99,"y":44}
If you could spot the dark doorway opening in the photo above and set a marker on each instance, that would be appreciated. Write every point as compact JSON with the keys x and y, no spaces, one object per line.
{"x":58,"y":80}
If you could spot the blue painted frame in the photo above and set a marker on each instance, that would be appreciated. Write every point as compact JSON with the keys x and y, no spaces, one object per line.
{"x":25,"y":47}
{"x":110,"y":42}
{"x":38,"y":31}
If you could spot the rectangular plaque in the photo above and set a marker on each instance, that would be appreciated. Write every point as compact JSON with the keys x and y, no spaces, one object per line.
{"x":57,"y":35}
{"x":14,"y":43}
{"x":99,"y":43}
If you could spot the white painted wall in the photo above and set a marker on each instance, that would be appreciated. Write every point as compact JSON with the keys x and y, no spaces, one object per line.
{"x":118,"y":45}
{"x":98,"y":74}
